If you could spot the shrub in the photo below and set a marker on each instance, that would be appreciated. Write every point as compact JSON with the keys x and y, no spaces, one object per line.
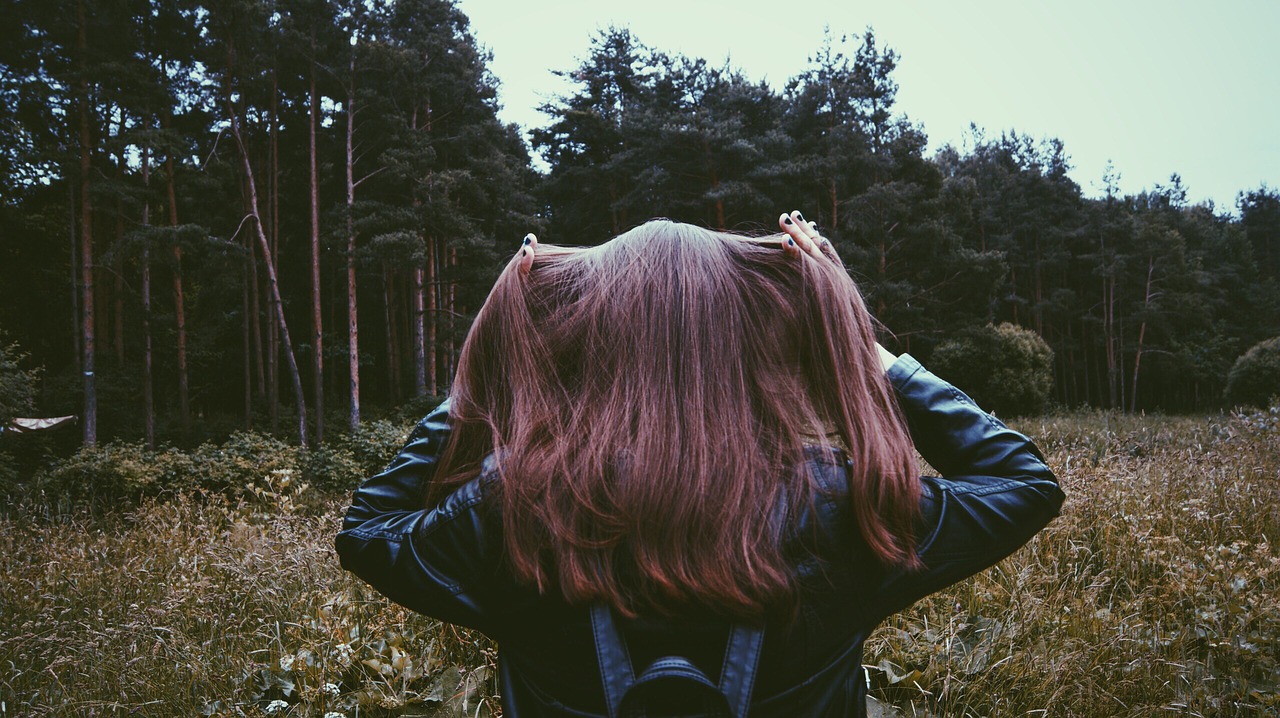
{"x":375,"y":443}
{"x":234,"y":465}
{"x":1006,"y":369}
{"x":106,"y":472}
{"x":331,"y":468}
{"x":236,"y":468}
{"x":1255,"y":377}
{"x":17,"y":385}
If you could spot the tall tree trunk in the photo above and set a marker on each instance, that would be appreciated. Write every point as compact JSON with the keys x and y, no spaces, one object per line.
{"x":453,"y":315}
{"x":1109,"y":337}
{"x":255,"y":315}
{"x":246,"y":282}
{"x":433,"y":316}
{"x":90,"y":418}
{"x":117,"y":266}
{"x":273,"y":333}
{"x":1142,"y":333}
{"x":148,"y":390}
{"x":420,"y":368}
{"x":353,"y":329}
{"x":393,"y":361}
{"x":179,"y":310}
{"x":264,"y":245}
{"x":73,"y":246}
{"x":419,"y":335}
{"x":317,"y":327}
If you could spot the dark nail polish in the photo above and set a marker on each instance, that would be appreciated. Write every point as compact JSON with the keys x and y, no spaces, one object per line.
{"x":813,"y":226}
{"x":791,"y":242}
{"x":528,"y":241}
{"x":800,"y":216}
{"x":787,"y":220}
{"x":524,"y":252}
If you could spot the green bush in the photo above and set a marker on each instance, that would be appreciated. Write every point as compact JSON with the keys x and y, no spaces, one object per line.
{"x":375,"y":443}
{"x":17,"y":385}
{"x":1006,"y":369}
{"x":107,"y":472}
{"x":1255,"y":377}
{"x":234,"y":465}
{"x":239,"y":467}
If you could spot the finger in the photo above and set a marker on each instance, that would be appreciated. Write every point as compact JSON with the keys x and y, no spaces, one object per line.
{"x":824,"y":244}
{"x":529,"y":246}
{"x":789,"y":244}
{"x":794,"y":225}
{"x":811,"y":229}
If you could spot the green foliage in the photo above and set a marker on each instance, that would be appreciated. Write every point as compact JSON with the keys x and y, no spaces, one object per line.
{"x":123,"y":471}
{"x":1255,"y":377}
{"x":17,"y":385}
{"x":373,"y":443}
{"x":1007,"y":369}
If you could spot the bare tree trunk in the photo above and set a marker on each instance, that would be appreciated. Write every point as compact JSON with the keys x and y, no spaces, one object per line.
{"x":1109,"y":337}
{"x":273,"y":333}
{"x":393,"y":362}
{"x":255,"y":313}
{"x":179,"y":310}
{"x":317,"y":327}
{"x":117,"y":266}
{"x":419,"y":337}
{"x":452,"y":314}
{"x":90,"y":418}
{"x":1142,"y":332}
{"x":263,"y":244}
{"x":246,"y":280}
{"x":353,"y":330}
{"x":148,"y":390}
{"x":433,"y":317}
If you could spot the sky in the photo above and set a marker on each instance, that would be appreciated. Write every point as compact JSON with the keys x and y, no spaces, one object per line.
{"x":1154,"y":87}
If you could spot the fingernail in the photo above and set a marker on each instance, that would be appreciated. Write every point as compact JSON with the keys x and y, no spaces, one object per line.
{"x":813,"y":226}
{"x":790,"y":242}
{"x":800,"y":216}
{"x":787,"y":220}
{"x":527,"y":240}
{"x":524,"y":252}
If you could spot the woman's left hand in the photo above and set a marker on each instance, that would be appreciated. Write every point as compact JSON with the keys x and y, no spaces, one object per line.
{"x":802,"y":235}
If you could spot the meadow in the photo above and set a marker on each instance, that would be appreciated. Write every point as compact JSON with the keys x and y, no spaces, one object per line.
{"x":1157,"y":592}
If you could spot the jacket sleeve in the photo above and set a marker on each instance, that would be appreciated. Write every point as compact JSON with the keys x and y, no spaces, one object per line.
{"x":424,"y":559}
{"x":995,"y":493}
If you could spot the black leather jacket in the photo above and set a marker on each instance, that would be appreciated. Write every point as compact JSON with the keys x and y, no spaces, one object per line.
{"x":447,"y":563}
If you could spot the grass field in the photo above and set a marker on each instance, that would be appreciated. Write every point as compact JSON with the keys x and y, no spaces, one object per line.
{"x":1156,"y":593}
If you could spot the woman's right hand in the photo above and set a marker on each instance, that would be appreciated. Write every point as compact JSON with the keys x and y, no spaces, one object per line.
{"x":802,"y":235}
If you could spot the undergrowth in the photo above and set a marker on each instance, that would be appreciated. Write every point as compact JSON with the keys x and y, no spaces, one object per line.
{"x":1156,"y":592}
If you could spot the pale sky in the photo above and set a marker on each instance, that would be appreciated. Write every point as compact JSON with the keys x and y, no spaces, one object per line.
{"x":1157,"y":87}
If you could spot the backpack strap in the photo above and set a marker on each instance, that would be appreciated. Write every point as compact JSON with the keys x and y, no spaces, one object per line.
{"x":737,"y":674}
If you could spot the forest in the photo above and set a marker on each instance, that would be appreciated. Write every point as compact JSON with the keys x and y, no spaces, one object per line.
{"x":281,"y":215}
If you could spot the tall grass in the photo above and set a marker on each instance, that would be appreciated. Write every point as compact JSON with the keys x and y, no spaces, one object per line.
{"x":1156,"y":593}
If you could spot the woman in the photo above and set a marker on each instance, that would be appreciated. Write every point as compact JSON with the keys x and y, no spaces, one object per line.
{"x":675,"y":473}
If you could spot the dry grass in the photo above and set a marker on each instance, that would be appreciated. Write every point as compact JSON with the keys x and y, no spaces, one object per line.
{"x":1157,"y":592}
{"x":198,"y":607}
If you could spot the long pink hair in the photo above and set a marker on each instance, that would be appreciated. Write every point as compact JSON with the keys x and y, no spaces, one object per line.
{"x":649,"y":402}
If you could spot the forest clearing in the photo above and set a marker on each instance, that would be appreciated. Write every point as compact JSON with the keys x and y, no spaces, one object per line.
{"x":1156,"y":592}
